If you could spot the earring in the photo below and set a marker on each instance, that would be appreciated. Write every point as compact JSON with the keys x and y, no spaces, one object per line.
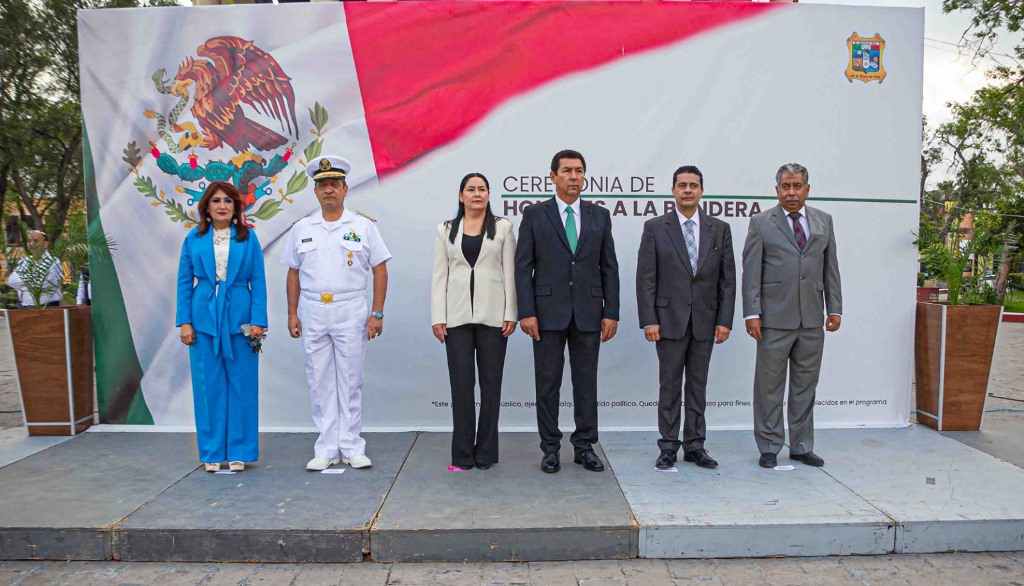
{"x":234,"y":221}
{"x":209,"y":219}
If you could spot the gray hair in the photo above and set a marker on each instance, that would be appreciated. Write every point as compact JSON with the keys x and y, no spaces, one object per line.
{"x":792,"y":168}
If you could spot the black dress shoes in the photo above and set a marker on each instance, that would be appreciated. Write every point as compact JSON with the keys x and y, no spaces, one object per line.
{"x":666,"y":460}
{"x":767,"y":460}
{"x":550,"y":463}
{"x":810,"y":458}
{"x":483,"y":466}
{"x":701,"y":458}
{"x":589,"y":460}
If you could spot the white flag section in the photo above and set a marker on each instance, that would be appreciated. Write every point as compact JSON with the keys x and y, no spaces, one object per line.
{"x":121,"y":50}
{"x":738,"y":101}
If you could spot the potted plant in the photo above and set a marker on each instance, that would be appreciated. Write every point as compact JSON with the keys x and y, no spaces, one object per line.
{"x":954,"y":342}
{"x":53,"y":345}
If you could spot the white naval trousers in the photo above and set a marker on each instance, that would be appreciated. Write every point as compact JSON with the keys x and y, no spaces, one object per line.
{"x":334,"y":340}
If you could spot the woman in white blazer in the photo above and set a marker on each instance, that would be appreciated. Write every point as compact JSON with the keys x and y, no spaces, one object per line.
{"x":473,"y":311}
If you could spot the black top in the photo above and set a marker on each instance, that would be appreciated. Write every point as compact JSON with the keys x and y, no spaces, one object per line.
{"x":471,"y":248}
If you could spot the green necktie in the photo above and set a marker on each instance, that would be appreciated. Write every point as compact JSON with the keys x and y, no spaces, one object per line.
{"x":570,"y":228}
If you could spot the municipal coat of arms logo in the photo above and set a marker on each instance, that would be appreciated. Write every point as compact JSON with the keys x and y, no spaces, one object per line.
{"x":241,"y":100}
{"x":865,"y":58}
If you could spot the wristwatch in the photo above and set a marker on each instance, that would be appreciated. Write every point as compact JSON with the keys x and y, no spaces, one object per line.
{"x":377,"y":314}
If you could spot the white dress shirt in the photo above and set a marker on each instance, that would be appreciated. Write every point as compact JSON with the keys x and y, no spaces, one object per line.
{"x":562,"y":206}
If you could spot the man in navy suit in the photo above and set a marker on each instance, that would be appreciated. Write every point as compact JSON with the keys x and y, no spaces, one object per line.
{"x":567,"y":285}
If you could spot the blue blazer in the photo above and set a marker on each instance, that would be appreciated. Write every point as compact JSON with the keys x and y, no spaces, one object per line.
{"x":241,"y":299}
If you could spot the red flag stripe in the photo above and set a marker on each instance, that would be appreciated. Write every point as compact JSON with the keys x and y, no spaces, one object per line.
{"x":428,"y":71}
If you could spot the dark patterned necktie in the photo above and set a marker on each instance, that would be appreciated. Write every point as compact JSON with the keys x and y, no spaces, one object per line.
{"x":798,"y":230}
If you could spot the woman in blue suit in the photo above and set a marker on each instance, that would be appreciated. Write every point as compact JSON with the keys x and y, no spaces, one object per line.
{"x":221,"y":288}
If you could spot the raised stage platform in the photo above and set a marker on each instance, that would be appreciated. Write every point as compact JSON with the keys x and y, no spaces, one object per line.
{"x":143,"y":497}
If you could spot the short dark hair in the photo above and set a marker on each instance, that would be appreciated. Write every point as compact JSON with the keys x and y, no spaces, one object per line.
{"x":687,"y":169}
{"x":567,"y":154}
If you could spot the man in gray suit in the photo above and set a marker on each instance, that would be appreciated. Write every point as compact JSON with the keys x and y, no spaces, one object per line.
{"x":790,"y":278}
{"x":685,"y":296}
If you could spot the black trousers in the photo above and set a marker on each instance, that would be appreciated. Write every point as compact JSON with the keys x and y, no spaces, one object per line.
{"x":475,"y":442}
{"x":549,"y":362}
{"x":674,"y":358}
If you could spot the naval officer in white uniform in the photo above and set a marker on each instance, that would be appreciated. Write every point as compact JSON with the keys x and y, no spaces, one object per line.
{"x":330,"y":257}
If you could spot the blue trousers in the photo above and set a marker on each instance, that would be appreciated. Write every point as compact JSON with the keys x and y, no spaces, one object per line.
{"x":225,"y":393}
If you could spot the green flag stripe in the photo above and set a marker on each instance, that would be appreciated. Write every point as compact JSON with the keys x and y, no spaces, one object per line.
{"x":118,"y":372}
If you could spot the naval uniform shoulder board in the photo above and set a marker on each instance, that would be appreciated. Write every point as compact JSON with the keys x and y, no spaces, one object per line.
{"x":371,"y":218}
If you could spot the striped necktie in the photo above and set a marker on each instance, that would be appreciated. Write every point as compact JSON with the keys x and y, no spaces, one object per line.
{"x":798,"y":230}
{"x":691,"y":244}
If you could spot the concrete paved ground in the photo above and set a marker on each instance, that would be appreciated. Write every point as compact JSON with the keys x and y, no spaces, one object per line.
{"x":10,"y":405}
{"x":1006,"y":404}
{"x":938,"y":569}
{"x":1006,"y":385}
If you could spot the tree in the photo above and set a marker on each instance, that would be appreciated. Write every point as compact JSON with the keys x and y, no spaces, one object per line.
{"x":40,"y":109}
{"x":984,"y":142}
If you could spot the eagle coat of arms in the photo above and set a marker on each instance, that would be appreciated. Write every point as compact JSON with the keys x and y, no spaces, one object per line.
{"x":231,"y":84}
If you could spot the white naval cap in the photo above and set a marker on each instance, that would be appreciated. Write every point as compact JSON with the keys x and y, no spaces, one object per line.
{"x":328,"y":167}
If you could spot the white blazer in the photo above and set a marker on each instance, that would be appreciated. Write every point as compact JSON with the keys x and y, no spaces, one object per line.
{"x":494,"y":283}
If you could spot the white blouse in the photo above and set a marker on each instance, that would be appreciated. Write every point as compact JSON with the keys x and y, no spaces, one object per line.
{"x":221,"y":246}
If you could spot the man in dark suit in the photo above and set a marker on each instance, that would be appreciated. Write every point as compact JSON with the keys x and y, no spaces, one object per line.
{"x":567,"y":285}
{"x":685,"y":297}
{"x":790,"y":279}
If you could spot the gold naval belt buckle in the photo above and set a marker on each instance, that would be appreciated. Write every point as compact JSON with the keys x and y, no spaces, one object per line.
{"x":327,"y":297}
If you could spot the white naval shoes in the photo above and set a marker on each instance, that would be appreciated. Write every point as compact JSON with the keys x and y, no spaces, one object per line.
{"x":357,"y":461}
{"x":318,"y":464}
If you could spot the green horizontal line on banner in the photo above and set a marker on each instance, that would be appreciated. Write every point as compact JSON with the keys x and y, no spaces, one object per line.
{"x":706,"y":196}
